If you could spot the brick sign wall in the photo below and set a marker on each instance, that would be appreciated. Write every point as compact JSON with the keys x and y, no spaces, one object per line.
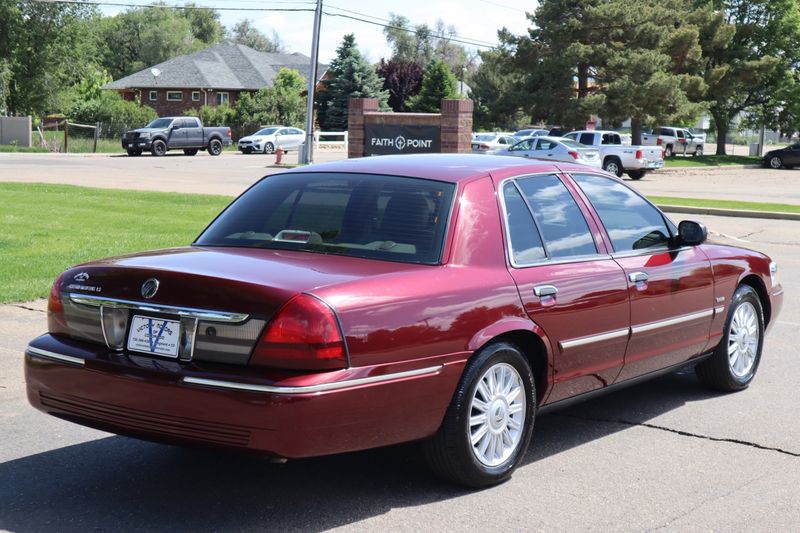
{"x":372,"y":132}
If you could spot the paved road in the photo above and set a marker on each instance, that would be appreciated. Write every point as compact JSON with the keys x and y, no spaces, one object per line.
{"x":233,"y":172}
{"x":664,"y":455}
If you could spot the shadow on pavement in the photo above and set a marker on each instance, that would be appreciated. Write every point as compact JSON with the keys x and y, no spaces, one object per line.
{"x":117,"y":483}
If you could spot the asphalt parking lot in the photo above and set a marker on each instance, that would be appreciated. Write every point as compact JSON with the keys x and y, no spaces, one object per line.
{"x":663,"y":455}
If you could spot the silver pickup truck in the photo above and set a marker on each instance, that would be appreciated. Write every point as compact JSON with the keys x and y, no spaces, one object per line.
{"x":675,"y":141}
{"x":635,"y":161}
{"x":170,"y":133}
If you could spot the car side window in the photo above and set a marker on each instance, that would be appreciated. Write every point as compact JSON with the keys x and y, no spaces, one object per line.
{"x":522,"y":145}
{"x":587,"y":139}
{"x":558,"y":217}
{"x":526,"y":244}
{"x":543,"y":144}
{"x":631,"y":222}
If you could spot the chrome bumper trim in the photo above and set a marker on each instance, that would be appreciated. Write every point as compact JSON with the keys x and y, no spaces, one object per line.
{"x":201,"y":314}
{"x":55,"y":356}
{"x":323,"y":387}
{"x":591,"y":339}
{"x":671,"y":322}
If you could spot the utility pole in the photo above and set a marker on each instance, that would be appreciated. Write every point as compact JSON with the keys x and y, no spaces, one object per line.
{"x":308,"y":153}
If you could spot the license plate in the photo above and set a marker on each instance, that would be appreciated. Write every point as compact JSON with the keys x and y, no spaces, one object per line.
{"x":154,"y":336}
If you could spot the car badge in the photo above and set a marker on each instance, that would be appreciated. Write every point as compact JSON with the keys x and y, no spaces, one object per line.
{"x":149,"y":288}
{"x":83,"y":276}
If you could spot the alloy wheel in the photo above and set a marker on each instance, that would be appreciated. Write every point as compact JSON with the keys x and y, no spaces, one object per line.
{"x":743,"y":340}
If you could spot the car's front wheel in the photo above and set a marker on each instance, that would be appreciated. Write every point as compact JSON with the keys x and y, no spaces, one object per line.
{"x":159,"y":148}
{"x":269,"y":148}
{"x":488,"y":425}
{"x":132,"y":152}
{"x":734,"y":363}
{"x":775,"y":162}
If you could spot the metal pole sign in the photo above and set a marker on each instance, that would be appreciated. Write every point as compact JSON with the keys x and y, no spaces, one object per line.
{"x":308,"y":152}
{"x":383,"y":139}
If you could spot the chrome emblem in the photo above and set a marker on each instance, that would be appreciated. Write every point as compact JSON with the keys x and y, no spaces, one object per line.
{"x":149,"y":288}
{"x":83,"y":276}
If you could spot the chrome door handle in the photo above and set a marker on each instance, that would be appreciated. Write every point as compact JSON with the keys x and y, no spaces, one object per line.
{"x":545,"y":290}
{"x":637,"y":277}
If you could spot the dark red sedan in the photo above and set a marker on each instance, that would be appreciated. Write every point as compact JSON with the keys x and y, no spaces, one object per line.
{"x":441,"y":298}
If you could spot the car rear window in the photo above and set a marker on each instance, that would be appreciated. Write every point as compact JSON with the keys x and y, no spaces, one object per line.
{"x":362,"y":215}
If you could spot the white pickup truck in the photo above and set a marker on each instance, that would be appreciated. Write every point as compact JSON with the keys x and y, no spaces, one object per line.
{"x":635,"y":161}
{"x":675,"y":141}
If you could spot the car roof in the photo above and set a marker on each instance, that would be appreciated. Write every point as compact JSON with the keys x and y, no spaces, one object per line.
{"x":443,"y":167}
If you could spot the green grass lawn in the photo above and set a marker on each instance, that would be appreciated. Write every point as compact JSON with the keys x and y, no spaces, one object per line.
{"x":725,"y":204}
{"x":47,"y":228}
{"x":711,"y":161}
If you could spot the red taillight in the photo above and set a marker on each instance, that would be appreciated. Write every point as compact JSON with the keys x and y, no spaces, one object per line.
{"x":638,"y":154}
{"x":659,"y":142}
{"x":304,"y":334}
{"x":56,"y":323}
{"x":230,"y":134}
{"x":485,"y":147}
{"x":573,"y":154}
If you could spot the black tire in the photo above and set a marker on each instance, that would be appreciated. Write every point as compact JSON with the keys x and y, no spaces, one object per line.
{"x":159,"y":148}
{"x":451,"y":454}
{"x":269,"y":148}
{"x":636,"y":174}
{"x":613,"y":165}
{"x":698,"y":151}
{"x":775,"y":161}
{"x":215,"y":147}
{"x":190,"y":151}
{"x":132,"y":152}
{"x":719,"y":371}
{"x":668,"y":151}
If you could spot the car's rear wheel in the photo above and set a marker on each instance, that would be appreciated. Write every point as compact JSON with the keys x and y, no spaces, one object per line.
{"x":159,"y":148}
{"x":698,"y":151}
{"x":190,"y":151}
{"x":215,"y":147}
{"x":269,"y":148}
{"x":636,"y":174}
{"x":734,"y":363}
{"x":613,"y":166}
{"x":775,"y":162}
{"x":487,"y":428}
{"x":668,"y":151}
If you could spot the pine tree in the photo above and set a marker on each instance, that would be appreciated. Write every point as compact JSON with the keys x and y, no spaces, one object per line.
{"x":352,"y":77}
{"x":438,"y":83}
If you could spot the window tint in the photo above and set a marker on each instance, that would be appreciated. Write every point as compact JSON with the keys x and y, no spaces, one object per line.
{"x":526,"y":244}
{"x":523,"y":145}
{"x":379,"y":217}
{"x":544,"y":144}
{"x":559,"y":218}
{"x":587,"y":139}
{"x":631,"y":222}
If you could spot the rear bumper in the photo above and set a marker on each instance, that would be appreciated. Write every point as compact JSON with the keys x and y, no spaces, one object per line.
{"x":299,"y":416}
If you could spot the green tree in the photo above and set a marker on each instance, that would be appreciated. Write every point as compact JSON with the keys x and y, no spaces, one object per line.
{"x":110,"y":109}
{"x":494,"y":93}
{"x":351,"y":77}
{"x":438,"y":83}
{"x":245,"y":33}
{"x":204,"y":23}
{"x":421,"y":44}
{"x":283,"y":103}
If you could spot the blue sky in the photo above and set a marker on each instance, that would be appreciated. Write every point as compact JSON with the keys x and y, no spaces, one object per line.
{"x":475,"y":20}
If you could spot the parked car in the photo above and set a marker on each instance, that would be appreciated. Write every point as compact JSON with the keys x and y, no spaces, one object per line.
{"x":531,"y":132}
{"x":442,"y":298}
{"x":483,"y":142}
{"x":170,"y":133}
{"x":675,"y":141}
{"x":618,"y":158}
{"x":783,"y":158}
{"x":553,"y":149}
{"x":266,"y":140}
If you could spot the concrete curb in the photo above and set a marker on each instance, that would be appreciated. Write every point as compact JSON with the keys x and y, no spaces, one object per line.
{"x":669,"y":170}
{"x":740,"y":213}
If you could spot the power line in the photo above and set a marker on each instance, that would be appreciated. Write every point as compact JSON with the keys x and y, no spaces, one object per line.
{"x":504,"y":6}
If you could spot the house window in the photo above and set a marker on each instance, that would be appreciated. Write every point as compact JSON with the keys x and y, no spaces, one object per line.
{"x":174,"y":96}
{"x":153,"y":96}
{"x":195,"y":96}
{"x":222,"y":98}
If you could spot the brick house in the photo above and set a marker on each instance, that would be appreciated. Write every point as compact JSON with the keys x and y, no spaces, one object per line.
{"x":214,"y":76}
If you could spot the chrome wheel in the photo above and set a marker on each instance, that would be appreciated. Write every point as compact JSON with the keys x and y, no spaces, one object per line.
{"x":775,"y":162}
{"x":497,"y":414}
{"x":743,"y":340}
{"x":613,"y":168}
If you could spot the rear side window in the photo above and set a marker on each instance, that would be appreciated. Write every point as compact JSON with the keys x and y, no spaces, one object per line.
{"x":526,"y":244}
{"x":631,"y":222}
{"x":558,"y":217}
{"x":373,"y":216}
{"x":587,"y":139}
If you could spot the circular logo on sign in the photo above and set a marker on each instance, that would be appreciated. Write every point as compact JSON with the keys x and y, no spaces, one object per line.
{"x":149,"y":288}
{"x":400,"y":142}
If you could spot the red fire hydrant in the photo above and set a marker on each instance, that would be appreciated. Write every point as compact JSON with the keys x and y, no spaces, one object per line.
{"x":278,"y":155}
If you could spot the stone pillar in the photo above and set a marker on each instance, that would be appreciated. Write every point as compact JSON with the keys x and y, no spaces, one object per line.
{"x":355,"y":123}
{"x":456,"y":126}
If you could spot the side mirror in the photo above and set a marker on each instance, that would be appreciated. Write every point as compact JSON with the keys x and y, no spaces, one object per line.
{"x":692,"y":233}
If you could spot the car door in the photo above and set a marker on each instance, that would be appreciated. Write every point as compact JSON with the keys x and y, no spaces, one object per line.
{"x":194,"y":133}
{"x":177,"y":134}
{"x":792,"y":155}
{"x":569,"y":286}
{"x":545,"y":149}
{"x":671,"y":288}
